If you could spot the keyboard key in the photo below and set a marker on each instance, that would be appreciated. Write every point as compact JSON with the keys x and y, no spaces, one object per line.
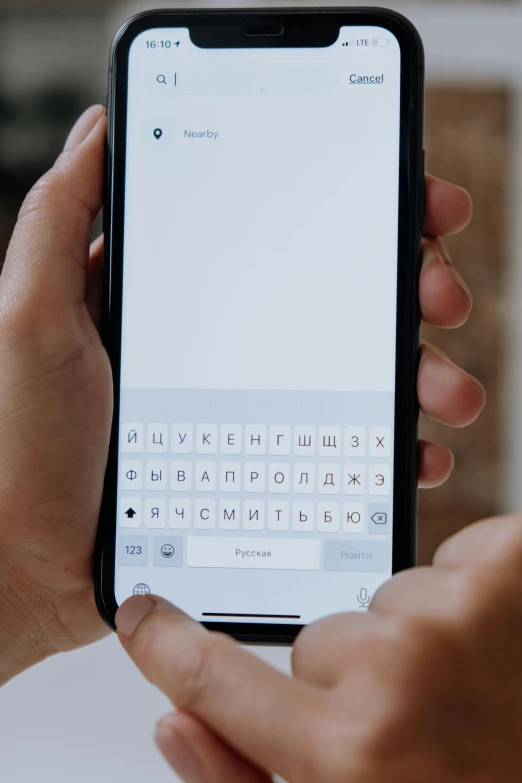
{"x":255,"y":440}
{"x":155,"y":512}
{"x":353,"y":518}
{"x":133,"y":550}
{"x":156,"y":476}
{"x":379,"y":521}
{"x":280,"y":440}
{"x":329,"y":479}
{"x":131,"y":475}
{"x":204,"y":514}
{"x":181,"y":476}
{"x":328,"y":517}
{"x":355,"y":441}
{"x":380,"y":480}
{"x":364,"y":556}
{"x":205,"y":477}
{"x":129,"y":512}
{"x":304,"y":478}
{"x":182,"y":438}
{"x":228,"y":516}
{"x":180,"y":513}
{"x":231,"y":439}
{"x":279,"y":477}
{"x":230,"y":476}
{"x":206,"y":439}
{"x":255,"y":477}
{"x":329,"y":441}
{"x":167,"y":551}
{"x":304,"y":441}
{"x":354,"y":480}
{"x":157,"y":436}
{"x":303,"y":516}
{"x":278,"y":515}
{"x":248,"y":552}
{"x":254,"y":515}
{"x":380,"y":442}
{"x":131,"y":438}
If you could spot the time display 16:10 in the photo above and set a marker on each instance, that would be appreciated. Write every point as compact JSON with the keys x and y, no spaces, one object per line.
{"x":159,"y":44}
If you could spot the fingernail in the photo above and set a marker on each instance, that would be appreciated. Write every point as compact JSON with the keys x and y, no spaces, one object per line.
{"x":131,"y":613}
{"x":84,"y":126}
{"x":181,"y":758}
{"x":460,"y":280}
{"x":433,"y":255}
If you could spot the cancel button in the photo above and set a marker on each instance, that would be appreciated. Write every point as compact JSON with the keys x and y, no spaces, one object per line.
{"x":356,"y":79}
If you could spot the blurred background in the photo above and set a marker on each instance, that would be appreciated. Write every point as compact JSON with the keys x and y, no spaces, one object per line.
{"x":89,"y":714}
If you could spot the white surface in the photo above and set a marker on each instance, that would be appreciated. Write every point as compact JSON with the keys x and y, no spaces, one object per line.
{"x":83,"y":717}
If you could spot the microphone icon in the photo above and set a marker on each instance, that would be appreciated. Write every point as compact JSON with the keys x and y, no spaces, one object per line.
{"x":363,"y":598}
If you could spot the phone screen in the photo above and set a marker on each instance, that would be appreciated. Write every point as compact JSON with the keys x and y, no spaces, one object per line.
{"x":258,"y":364}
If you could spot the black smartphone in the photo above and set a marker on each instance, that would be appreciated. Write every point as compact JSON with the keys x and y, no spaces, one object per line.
{"x":263,"y":232}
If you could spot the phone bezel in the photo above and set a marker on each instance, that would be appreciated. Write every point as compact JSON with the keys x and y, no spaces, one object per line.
{"x":411,"y":208}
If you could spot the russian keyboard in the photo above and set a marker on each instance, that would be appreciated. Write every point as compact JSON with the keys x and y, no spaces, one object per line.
{"x":225,"y":477}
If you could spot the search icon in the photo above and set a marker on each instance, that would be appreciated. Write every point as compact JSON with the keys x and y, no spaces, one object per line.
{"x":161,"y":79}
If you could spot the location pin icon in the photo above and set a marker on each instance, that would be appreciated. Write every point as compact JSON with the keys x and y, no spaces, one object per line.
{"x":158,"y":133}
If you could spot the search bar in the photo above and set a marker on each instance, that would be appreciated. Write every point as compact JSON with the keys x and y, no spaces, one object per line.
{"x":251,"y":79}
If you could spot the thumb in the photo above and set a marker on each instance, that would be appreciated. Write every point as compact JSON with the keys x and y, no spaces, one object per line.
{"x":262,"y":714}
{"x":47,"y":260}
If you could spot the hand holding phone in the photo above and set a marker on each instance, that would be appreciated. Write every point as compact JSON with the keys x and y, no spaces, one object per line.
{"x":47,"y":546}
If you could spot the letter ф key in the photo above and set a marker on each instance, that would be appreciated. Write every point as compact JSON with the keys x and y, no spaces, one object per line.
{"x":131,"y":475}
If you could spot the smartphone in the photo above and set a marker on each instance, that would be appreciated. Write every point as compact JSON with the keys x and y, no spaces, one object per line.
{"x":263,"y":231}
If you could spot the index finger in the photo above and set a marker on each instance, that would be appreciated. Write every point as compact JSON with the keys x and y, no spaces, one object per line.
{"x":448,"y":208}
{"x":262,"y":713}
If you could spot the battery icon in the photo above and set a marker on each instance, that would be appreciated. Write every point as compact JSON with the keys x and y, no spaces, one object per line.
{"x":380,"y":42}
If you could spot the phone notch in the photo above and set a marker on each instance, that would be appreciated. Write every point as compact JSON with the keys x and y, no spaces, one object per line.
{"x":263,"y":30}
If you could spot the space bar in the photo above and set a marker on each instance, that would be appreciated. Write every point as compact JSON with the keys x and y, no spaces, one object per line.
{"x":276,"y":553}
